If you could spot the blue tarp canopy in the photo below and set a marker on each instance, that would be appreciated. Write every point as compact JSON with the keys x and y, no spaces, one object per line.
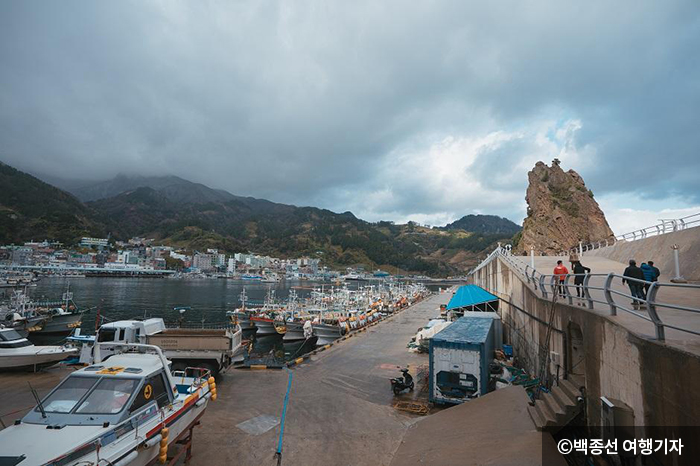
{"x":470,"y":295}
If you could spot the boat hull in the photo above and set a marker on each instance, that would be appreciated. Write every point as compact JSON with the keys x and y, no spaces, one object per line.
{"x":295,"y":331}
{"x":62,"y":324}
{"x":34,"y":356}
{"x":327,"y":333}
{"x":244,"y":320}
{"x":265,"y":326}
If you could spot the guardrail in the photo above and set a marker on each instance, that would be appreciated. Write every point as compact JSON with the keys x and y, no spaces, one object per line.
{"x":666,"y":226}
{"x":605,"y":289}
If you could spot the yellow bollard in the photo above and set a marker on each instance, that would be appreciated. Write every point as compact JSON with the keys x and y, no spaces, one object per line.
{"x":163,"y":454}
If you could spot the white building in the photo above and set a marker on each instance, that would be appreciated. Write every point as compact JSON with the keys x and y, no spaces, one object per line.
{"x":94,"y":242}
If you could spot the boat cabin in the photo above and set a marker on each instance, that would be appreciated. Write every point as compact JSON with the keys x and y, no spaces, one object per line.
{"x":10,"y":338}
{"x":107,"y":393}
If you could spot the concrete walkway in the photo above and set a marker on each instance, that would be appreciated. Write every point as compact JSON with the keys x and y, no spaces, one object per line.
{"x":678,"y":296}
{"x":340,"y":407}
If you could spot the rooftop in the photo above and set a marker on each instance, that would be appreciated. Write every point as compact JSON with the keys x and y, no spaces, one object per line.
{"x":468,"y":329}
{"x":470,"y":295}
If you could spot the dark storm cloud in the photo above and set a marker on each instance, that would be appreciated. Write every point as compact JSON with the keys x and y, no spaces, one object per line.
{"x":319,"y":103}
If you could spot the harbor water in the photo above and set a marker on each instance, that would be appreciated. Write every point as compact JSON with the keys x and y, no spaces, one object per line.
{"x":128,"y":298}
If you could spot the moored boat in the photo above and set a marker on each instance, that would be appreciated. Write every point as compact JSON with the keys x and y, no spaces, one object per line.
{"x":298,"y":330}
{"x":328,"y":333}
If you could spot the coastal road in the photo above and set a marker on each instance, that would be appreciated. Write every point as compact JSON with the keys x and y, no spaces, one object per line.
{"x":340,"y":406}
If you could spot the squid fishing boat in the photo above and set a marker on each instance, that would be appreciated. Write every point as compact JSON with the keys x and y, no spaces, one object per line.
{"x":298,"y":330}
{"x":126,"y":410}
{"x":328,"y":333}
{"x":242,"y":316}
{"x":42,"y":321}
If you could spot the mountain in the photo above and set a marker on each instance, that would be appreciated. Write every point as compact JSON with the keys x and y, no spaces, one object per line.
{"x":486,"y":224}
{"x":32,"y":209}
{"x":190,"y":215}
{"x":193,"y":216}
{"x":176,"y":187}
{"x":248,"y":224}
{"x":561,"y":212}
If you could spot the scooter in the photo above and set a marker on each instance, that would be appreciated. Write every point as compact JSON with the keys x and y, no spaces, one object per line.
{"x":400,"y":384}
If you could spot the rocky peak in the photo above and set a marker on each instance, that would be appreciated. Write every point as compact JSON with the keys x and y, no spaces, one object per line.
{"x":561,"y":211}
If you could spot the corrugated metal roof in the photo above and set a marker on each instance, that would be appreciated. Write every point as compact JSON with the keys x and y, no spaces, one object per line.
{"x":474,"y":330}
{"x":469,"y":295}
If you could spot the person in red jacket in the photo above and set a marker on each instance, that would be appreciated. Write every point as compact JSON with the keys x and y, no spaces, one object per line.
{"x":561,"y":272}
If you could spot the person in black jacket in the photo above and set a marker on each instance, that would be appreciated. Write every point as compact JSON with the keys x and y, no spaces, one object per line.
{"x":579,"y":270}
{"x":657,"y":272}
{"x":636,"y":287}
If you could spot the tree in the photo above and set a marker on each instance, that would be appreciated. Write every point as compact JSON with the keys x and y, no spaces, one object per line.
{"x":174,"y":264}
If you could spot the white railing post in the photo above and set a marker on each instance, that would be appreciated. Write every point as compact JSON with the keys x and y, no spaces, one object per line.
{"x":651,"y":305}
{"x":532,"y":257}
{"x":586,"y":291}
{"x":543,"y":289}
{"x":608,"y":294}
{"x":566,"y":289}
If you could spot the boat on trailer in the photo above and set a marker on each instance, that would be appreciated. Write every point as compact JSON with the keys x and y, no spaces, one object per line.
{"x":126,"y":410}
{"x":16,"y":352}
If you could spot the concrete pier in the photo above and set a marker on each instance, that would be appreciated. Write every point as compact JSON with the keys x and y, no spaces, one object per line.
{"x":340,"y":407}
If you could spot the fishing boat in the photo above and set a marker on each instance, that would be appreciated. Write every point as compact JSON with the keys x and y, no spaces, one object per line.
{"x":266,"y":318}
{"x":298,"y":330}
{"x":242,"y":316}
{"x":328,"y":333}
{"x":126,"y":410}
{"x":16,"y":352}
{"x":42,"y":321}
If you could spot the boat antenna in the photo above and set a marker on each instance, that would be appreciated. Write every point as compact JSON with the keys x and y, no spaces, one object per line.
{"x":38,"y":400}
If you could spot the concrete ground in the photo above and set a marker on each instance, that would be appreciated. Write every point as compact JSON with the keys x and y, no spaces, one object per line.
{"x":340,"y":407}
{"x":495,"y":429}
{"x":689,"y":297}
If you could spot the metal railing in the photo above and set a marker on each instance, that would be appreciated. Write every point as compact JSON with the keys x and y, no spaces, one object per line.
{"x":610,"y":290}
{"x":666,"y":226}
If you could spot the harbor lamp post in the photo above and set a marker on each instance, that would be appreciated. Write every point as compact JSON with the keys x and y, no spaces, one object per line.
{"x":678,"y":278}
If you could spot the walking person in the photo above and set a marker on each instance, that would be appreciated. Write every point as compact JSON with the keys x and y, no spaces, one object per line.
{"x":579,"y":271}
{"x":636,"y":290}
{"x":648,"y":277}
{"x":561,"y":272}
{"x":657,"y":272}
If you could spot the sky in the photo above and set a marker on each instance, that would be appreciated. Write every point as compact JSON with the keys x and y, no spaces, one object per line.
{"x":394,"y":110}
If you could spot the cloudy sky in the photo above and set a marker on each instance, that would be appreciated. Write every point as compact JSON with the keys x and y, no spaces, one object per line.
{"x":393,"y":110}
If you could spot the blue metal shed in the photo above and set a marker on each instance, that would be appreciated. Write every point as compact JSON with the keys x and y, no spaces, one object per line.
{"x":460,"y":356}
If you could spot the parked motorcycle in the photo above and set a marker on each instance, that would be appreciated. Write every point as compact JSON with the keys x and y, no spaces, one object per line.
{"x":400,"y":384}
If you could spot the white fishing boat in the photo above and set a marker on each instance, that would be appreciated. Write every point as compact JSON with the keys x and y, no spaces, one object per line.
{"x":298,"y":330}
{"x":328,"y":333}
{"x":127,"y":410}
{"x":16,"y":352}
